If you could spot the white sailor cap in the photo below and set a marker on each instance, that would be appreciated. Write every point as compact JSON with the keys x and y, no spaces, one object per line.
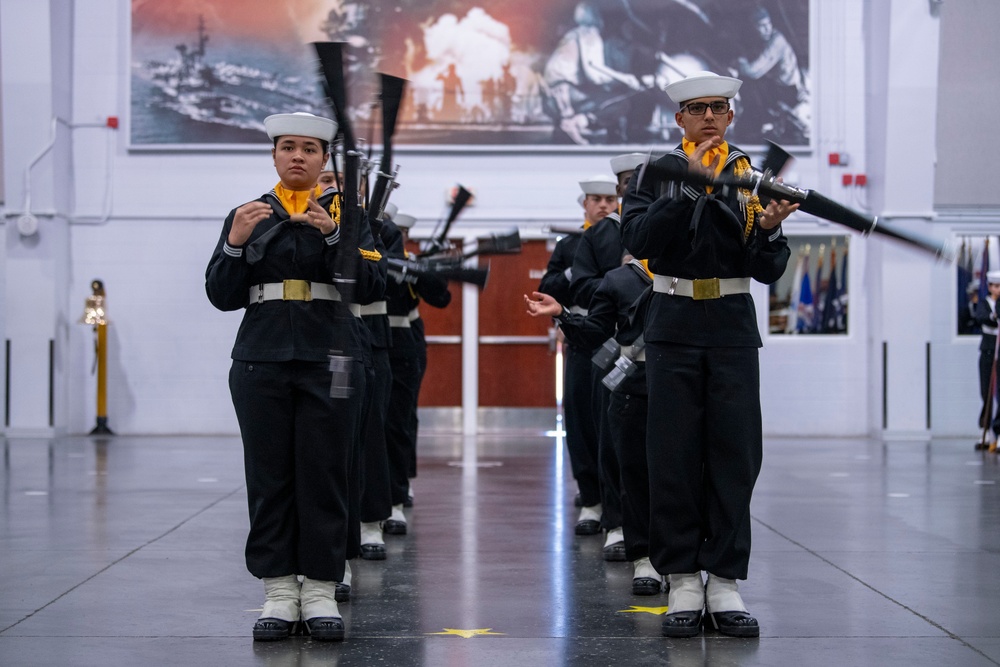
{"x":581,"y":198}
{"x":993,"y":277}
{"x":627,"y":162}
{"x":404,"y":220}
{"x":300,"y":124}
{"x":390,"y":211}
{"x":601,"y":184}
{"x":703,"y":84}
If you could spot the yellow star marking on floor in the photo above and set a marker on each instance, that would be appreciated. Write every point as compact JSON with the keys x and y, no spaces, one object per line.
{"x":644,"y":610}
{"x":468,"y":634}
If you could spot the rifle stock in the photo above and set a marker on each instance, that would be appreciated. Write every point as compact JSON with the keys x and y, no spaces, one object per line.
{"x":775,"y":159}
{"x":439,"y":242}
{"x":391,"y":98}
{"x":331,"y":60}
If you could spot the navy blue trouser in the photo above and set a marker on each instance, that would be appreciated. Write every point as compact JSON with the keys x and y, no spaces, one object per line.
{"x":376,"y":498}
{"x":399,"y":436}
{"x":581,"y":424}
{"x":627,"y":421}
{"x":704,"y":453}
{"x":297,"y":450}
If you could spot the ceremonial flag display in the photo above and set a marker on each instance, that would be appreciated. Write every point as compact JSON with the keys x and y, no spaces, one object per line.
{"x":814,"y":303}
{"x":805,"y":311}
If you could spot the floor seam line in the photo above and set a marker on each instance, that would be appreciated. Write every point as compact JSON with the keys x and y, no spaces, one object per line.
{"x":123,"y":557}
{"x":864,"y":583}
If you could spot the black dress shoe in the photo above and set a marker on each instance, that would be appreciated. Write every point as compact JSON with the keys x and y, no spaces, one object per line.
{"x":681,"y":624}
{"x":342,"y":592}
{"x":394,"y":527}
{"x":615,"y":552}
{"x":325,"y":628}
{"x":273,"y":629}
{"x":588,"y":527}
{"x":982,"y":445}
{"x":735,"y":623}
{"x":373,"y":551}
{"x":645,"y":586}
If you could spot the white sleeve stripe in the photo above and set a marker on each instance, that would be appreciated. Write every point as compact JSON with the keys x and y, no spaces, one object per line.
{"x":773,"y":237}
{"x":334,"y":236}
{"x":231,"y":251}
{"x":690,"y":192}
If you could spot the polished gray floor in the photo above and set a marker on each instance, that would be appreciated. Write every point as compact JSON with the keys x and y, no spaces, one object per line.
{"x":128,"y":551}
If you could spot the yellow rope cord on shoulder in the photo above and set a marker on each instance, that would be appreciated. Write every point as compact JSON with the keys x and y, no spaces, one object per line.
{"x":753,"y":207}
{"x":335,"y":209}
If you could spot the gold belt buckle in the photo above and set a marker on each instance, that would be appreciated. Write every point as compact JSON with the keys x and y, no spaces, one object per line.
{"x":296,"y":290}
{"x":705,"y":288}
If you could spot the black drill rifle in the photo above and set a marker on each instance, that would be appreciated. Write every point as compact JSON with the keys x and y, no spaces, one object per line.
{"x":559,"y":230}
{"x":506,"y":243}
{"x":439,"y":242}
{"x":345,"y":270}
{"x":391,"y":98}
{"x":768,"y":187}
{"x":447,"y":269}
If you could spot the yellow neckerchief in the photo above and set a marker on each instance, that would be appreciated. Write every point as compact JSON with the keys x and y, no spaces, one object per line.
{"x":722,"y":150}
{"x":295,"y":201}
{"x":645,"y":265}
{"x":587,"y":223}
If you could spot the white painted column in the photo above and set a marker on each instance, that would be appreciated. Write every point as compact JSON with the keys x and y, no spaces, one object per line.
{"x":36,"y":80}
{"x":470,"y":360}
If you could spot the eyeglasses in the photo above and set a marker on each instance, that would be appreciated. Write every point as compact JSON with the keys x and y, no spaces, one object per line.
{"x":699,"y":108}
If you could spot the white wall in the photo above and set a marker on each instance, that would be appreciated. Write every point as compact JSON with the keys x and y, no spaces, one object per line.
{"x":35,"y":267}
{"x":169,"y":348}
{"x":817,"y":384}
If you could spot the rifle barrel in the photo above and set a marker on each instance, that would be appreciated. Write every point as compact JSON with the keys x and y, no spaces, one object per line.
{"x":564,"y":231}
{"x":452,"y":271}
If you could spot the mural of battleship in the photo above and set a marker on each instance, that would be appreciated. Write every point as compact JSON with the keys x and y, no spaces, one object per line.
{"x":195,"y":98}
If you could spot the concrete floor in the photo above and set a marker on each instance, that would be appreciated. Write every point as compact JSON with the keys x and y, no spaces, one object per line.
{"x":129,"y":551}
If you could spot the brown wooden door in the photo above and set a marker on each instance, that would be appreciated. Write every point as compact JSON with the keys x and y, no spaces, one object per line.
{"x":442,"y":386}
{"x":516,"y":361}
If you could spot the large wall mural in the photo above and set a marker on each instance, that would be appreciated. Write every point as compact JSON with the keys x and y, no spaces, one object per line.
{"x":489,"y":74}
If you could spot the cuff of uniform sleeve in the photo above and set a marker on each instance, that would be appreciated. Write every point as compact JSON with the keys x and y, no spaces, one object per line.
{"x":333,"y":237}
{"x":562,"y":316}
{"x":232,"y":251}
{"x":775,"y":234}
